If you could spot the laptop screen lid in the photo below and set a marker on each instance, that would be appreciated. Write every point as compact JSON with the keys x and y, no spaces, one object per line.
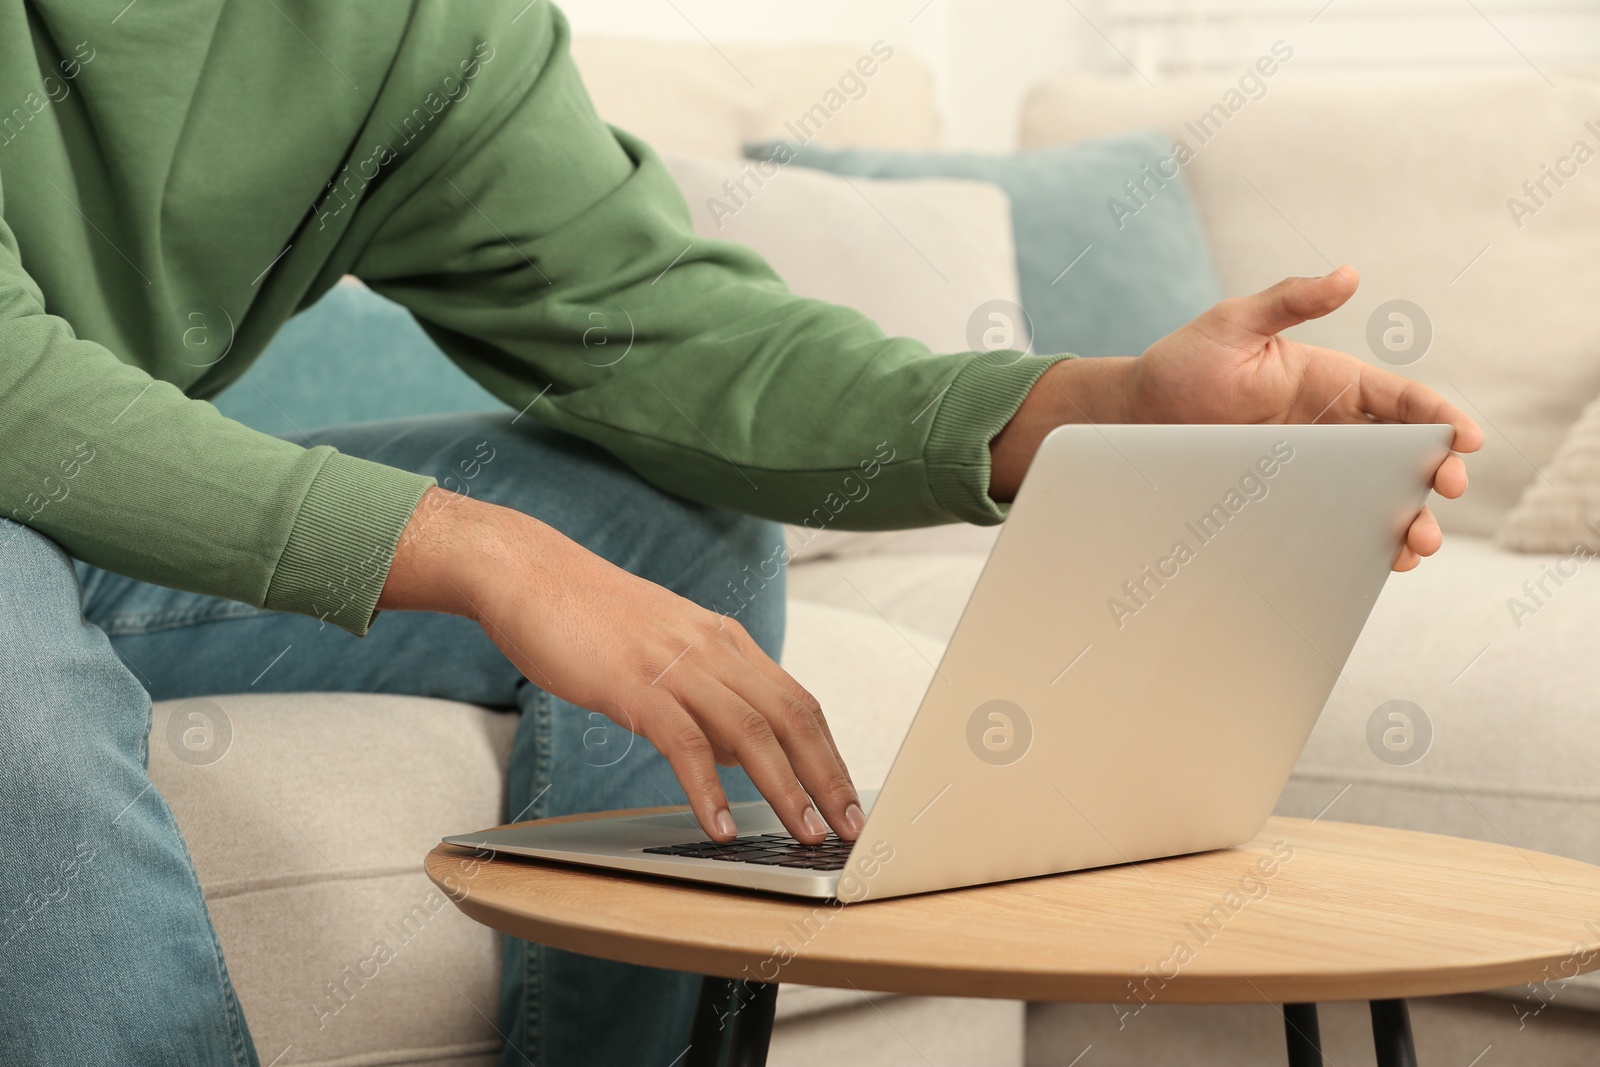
{"x":1148,"y":647}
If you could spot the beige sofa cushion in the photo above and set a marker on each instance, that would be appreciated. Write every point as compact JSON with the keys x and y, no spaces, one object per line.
{"x":700,"y":100}
{"x":308,"y":836}
{"x":1561,"y":509}
{"x":868,"y":672}
{"x":1410,"y":183}
{"x":918,"y":592}
{"x":956,"y":538}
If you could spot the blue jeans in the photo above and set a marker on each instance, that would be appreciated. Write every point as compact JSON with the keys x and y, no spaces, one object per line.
{"x":116,"y":962}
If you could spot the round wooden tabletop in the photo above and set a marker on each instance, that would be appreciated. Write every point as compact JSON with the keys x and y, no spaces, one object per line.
{"x":1308,"y":911}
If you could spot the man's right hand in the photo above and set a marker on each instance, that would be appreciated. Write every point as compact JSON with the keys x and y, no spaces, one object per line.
{"x":690,"y":681}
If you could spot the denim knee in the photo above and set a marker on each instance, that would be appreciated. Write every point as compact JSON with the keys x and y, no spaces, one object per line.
{"x":64,"y":693}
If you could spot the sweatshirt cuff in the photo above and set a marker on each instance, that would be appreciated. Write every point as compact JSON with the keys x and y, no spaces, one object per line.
{"x":980,"y":401}
{"x":337,"y":557}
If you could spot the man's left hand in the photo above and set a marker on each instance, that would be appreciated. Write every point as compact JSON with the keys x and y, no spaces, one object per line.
{"x":1232,"y":365}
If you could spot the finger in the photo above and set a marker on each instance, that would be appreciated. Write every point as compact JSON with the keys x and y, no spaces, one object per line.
{"x":757,"y":657}
{"x":1450,"y":480}
{"x":736,"y":726}
{"x":1387,"y":396}
{"x":1405,"y":560}
{"x":1424,"y":537}
{"x":677,"y":736}
{"x":803,"y":732}
{"x":1247,"y":320}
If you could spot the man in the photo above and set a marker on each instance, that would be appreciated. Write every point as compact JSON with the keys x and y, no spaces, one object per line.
{"x":171,"y":160}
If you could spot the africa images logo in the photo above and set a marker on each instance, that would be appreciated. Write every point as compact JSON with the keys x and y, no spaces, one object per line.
{"x":999,"y":732}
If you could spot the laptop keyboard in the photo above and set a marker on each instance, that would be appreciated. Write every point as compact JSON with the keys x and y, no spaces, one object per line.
{"x":769,"y":850}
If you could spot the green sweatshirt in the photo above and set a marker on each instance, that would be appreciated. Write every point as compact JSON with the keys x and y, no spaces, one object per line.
{"x":179,"y":179}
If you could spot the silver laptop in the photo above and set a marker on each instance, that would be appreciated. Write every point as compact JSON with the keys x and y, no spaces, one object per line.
{"x":1134,"y":675}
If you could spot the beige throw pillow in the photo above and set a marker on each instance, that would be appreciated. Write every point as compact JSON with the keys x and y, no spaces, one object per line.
{"x":1561,"y":508}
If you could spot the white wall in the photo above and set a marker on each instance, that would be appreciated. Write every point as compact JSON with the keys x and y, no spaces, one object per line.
{"x":985,"y":53}
{"x":1354,"y":37}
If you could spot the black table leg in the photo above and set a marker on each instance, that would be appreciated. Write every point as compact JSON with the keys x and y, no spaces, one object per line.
{"x":734,"y":1012}
{"x":705,"y":1039}
{"x":1391,"y":1034}
{"x":1303,"y":1034}
{"x":751,"y":1025}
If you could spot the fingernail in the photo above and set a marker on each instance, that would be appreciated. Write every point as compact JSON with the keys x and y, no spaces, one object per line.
{"x":813,"y":822}
{"x":854,"y":818}
{"x":725,"y":824}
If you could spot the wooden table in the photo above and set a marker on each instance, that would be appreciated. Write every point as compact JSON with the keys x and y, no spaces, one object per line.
{"x":1308,"y":911}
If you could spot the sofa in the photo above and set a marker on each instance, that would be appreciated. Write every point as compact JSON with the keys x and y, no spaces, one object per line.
{"x":308,"y":832}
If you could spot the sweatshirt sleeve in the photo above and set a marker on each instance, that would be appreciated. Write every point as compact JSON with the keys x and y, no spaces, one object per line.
{"x":125,"y":472}
{"x":552,"y":258}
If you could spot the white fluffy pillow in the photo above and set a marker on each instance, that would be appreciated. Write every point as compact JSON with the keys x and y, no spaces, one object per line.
{"x":919,"y":257}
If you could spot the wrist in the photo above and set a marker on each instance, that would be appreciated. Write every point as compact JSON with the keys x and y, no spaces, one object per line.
{"x":447,"y":555}
{"x":1097,"y":390}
